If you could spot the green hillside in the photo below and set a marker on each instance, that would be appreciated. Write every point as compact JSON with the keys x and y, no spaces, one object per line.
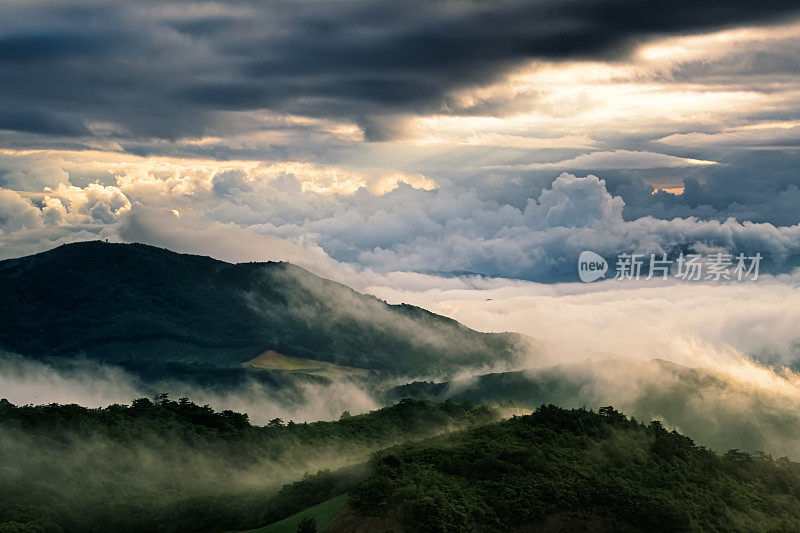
{"x":574,"y":470}
{"x":153,"y":310}
{"x":322,"y":515}
{"x":416,"y":466}
{"x":716,"y":408}
{"x":176,"y":466}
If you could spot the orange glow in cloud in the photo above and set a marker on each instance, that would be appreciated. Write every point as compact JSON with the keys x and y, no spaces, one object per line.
{"x":677,"y":191}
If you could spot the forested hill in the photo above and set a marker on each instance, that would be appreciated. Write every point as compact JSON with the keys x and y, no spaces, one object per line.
{"x":163,"y":465}
{"x":573,"y":470}
{"x":137,"y":304}
{"x":175,"y":466}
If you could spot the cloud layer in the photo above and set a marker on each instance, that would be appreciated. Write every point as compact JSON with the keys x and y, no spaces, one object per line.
{"x":394,"y":138}
{"x":423,"y":229}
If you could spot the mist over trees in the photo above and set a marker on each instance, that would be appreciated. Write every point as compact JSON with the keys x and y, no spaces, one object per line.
{"x":176,"y":466}
{"x":165,"y":465}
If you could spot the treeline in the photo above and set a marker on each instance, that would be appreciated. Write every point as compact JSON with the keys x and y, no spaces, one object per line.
{"x":558,"y":470}
{"x":164,"y":465}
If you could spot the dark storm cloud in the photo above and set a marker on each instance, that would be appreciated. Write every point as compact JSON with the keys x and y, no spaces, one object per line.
{"x":38,"y":122}
{"x":166,"y":70}
{"x":46,"y":47}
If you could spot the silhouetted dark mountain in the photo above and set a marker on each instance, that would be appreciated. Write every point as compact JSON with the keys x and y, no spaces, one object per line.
{"x":138,"y":305}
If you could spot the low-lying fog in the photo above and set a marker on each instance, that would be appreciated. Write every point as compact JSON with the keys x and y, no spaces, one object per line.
{"x":744,"y":335}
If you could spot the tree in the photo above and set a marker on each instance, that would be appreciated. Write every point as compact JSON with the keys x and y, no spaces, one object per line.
{"x":162,"y":398}
{"x":307,"y":525}
{"x":142,"y":403}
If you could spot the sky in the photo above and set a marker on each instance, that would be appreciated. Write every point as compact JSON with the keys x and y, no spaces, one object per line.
{"x":496,"y":138}
{"x":454,"y":155}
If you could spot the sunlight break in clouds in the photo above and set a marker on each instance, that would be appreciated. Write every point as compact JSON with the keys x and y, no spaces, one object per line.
{"x":505,"y":154}
{"x":646,"y":94}
{"x":406,"y":189}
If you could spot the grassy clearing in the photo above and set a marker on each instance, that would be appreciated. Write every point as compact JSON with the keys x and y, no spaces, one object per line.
{"x":323,"y":513}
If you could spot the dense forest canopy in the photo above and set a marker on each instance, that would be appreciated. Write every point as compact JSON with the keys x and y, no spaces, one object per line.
{"x":164,"y":465}
{"x":168,"y":465}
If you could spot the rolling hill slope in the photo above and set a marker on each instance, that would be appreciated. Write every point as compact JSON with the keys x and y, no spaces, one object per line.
{"x":718,"y":408}
{"x":560,"y":470}
{"x":139,"y":306}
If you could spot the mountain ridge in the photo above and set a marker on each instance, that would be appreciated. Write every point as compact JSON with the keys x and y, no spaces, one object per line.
{"x":134,"y":303}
